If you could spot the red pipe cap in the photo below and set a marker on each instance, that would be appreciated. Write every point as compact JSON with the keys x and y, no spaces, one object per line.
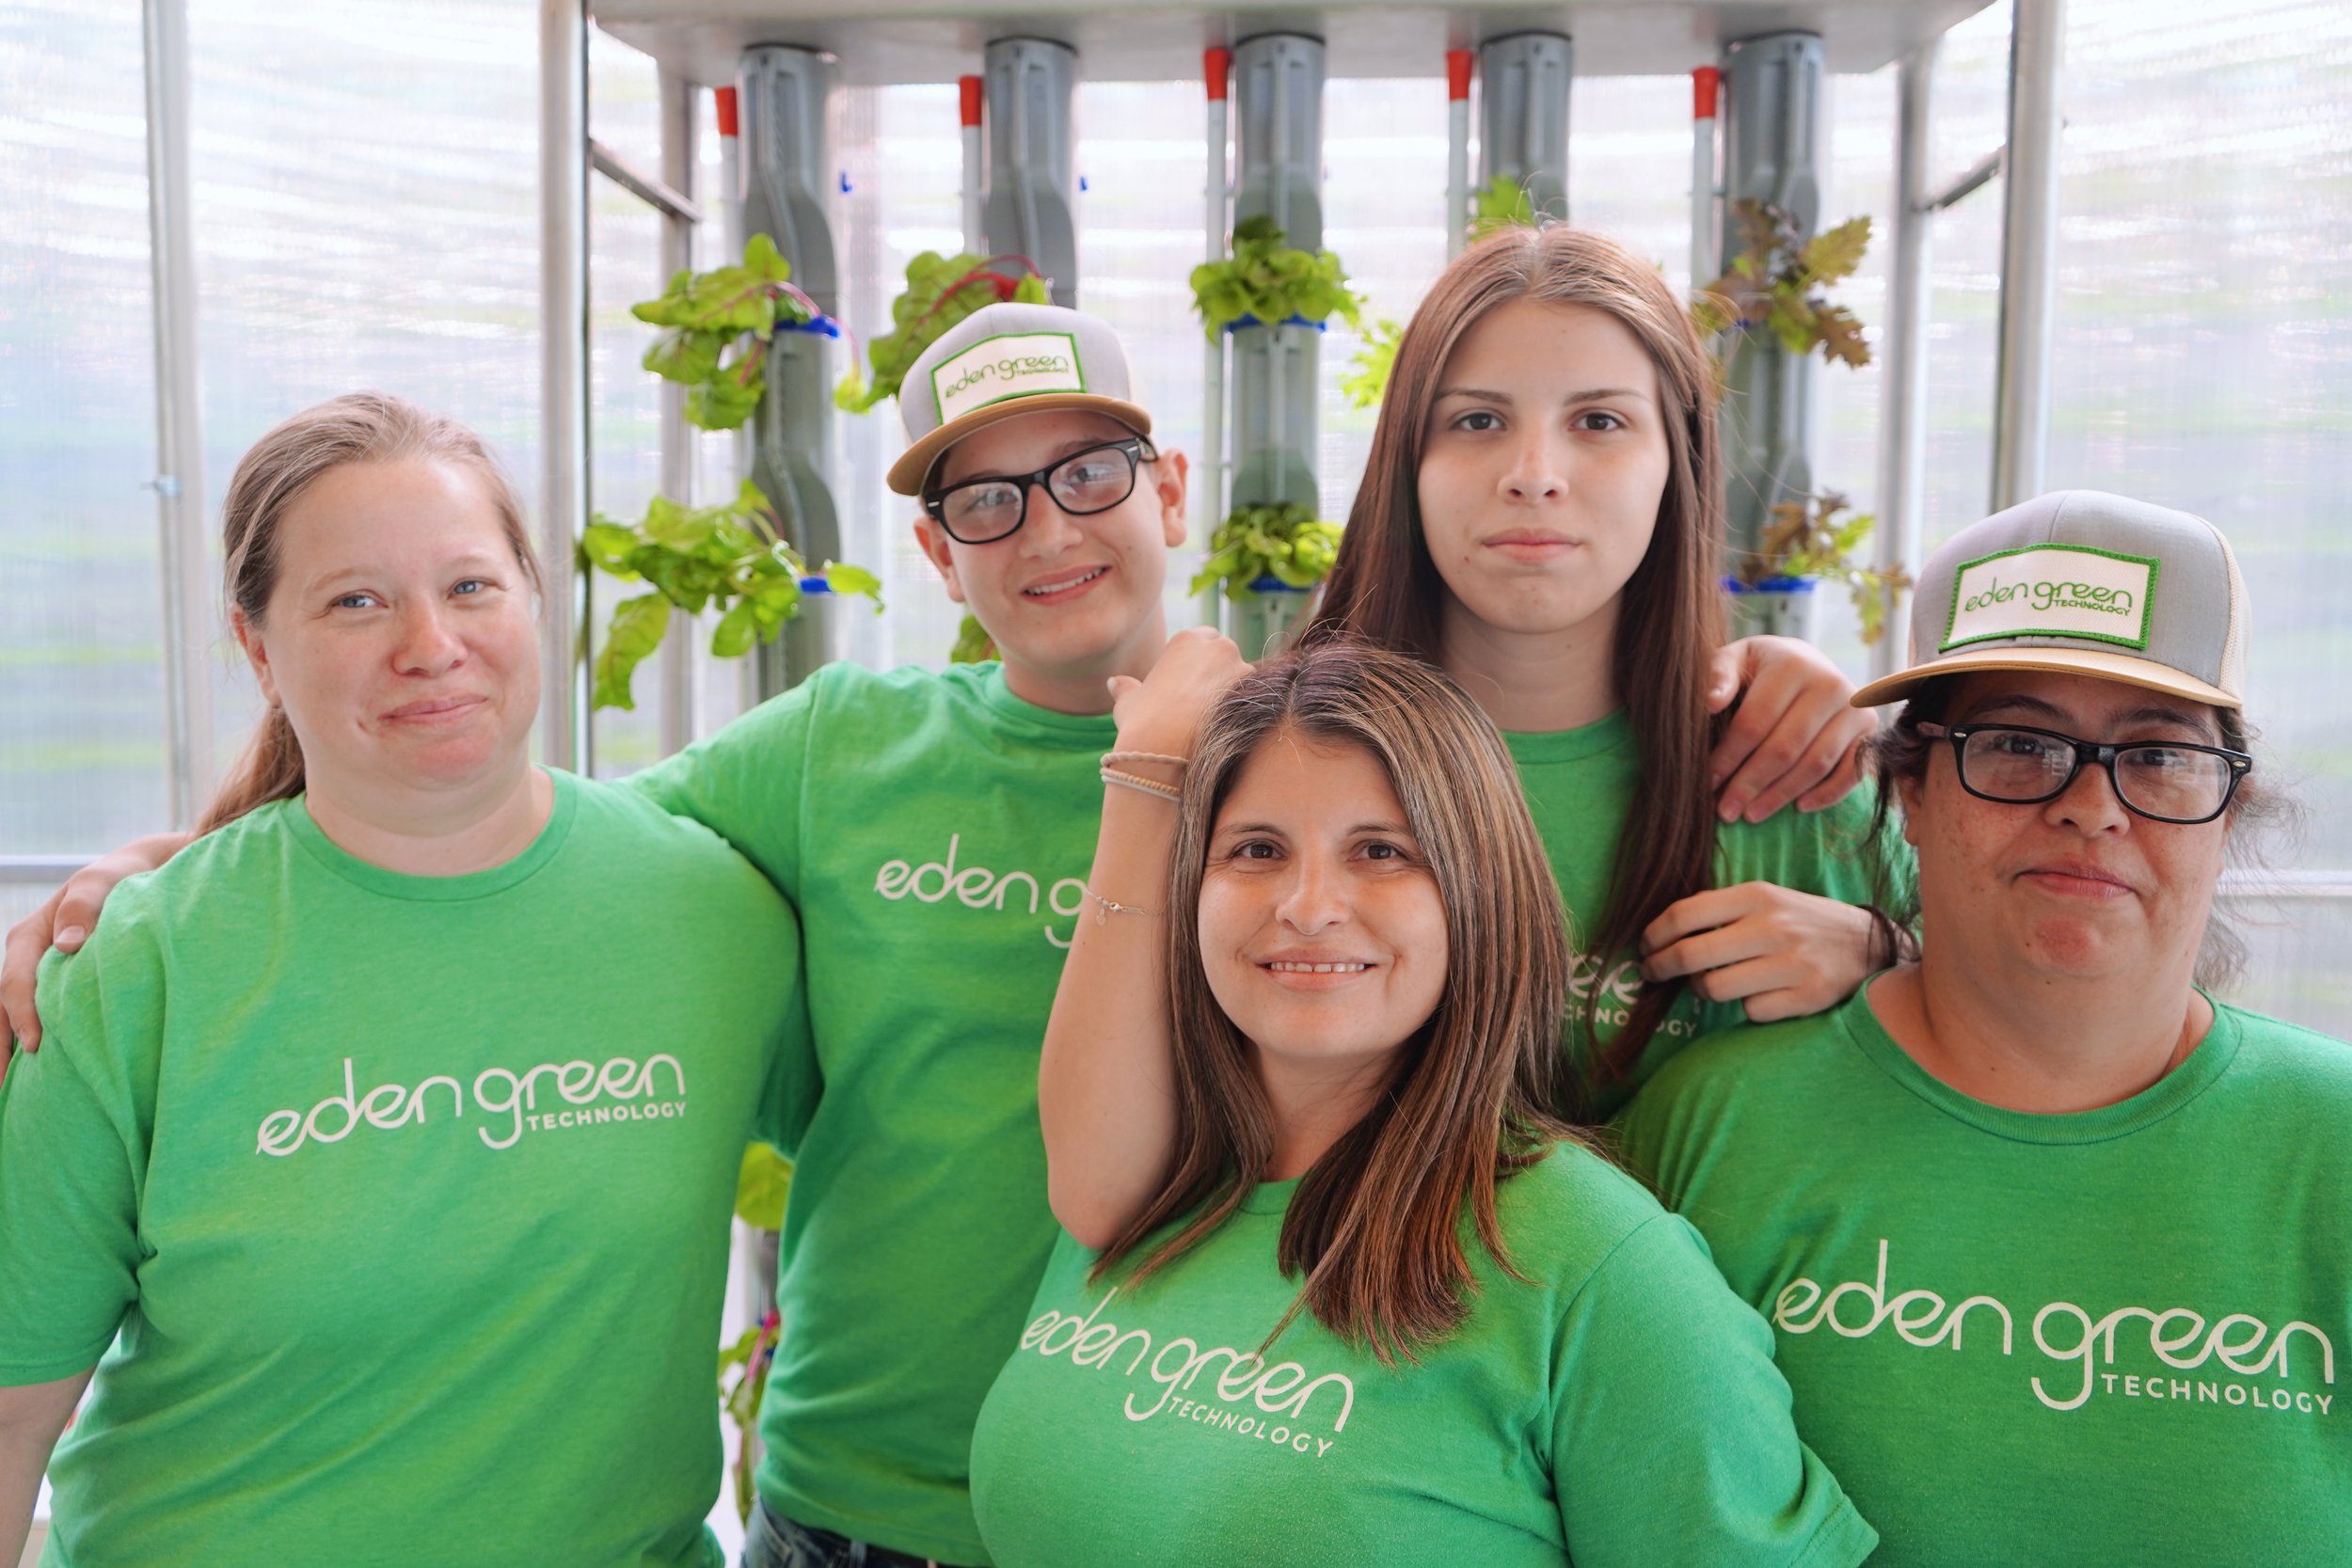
{"x":726,"y":111}
{"x":1216,"y":65}
{"x":1457,"y":73}
{"x":1706,"y":82}
{"x":971,"y":93}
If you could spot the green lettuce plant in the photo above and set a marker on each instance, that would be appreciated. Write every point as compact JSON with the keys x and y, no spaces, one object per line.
{"x":720,"y":325}
{"x":1267,"y":280}
{"x":727,"y":557}
{"x":941,"y":291}
{"x":1286,"y":542}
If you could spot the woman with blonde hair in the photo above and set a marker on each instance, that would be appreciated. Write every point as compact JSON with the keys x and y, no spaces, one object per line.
{"x":1540,"y":518}
{"x":351,"y":1151}
{"x":1385,"y":1306}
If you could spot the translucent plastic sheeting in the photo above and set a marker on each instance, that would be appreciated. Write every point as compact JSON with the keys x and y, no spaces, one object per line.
{"x":81,"y":682}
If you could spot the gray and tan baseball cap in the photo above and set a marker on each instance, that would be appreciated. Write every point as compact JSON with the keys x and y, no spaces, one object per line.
{"x":1003,"y":360}
{"x":2085,"y":583}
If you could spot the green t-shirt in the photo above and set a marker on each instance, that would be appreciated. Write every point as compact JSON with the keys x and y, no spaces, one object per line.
{"x":2110,"y":1338}
{"x":935,"y":831}
{"x":1617,"y":1405}
{"x":1580,"y":783}
{"x":407,"y":1195}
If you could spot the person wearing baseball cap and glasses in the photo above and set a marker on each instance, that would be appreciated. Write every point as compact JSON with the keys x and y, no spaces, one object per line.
{"x":2053,"y":1242}
{"x":933,"y":829}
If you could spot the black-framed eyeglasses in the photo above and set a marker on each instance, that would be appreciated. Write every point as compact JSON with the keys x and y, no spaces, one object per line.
{"x":2165,"y":781}
{"x":982,"y":510}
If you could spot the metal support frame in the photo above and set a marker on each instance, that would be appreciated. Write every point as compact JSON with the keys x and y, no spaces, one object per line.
{"x":1032,"y":158}
{"x":2021,"y":408}
{"x":179,"y":482}
{"x":676,"y":667}
{"x":1706,"y":84}
{"x":564,"y":730}
{"x":971,"y":97}
{"x":1904,"y":393}
{"x":1459,"y":64}
{"x":1216,"y":67}
{"x":1523,"y":81}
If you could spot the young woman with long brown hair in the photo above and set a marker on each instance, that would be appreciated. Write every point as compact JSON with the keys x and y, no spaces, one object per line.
{"x":1540,"y":518}
{"x":1385,"y":1306}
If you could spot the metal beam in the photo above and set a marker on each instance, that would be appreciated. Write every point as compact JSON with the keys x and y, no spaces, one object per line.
{"x":663,"y":194}
{"x":1978,"y":175}
{"x":184,"y":558}
{"x":2021,"y":409}
{"x":563,"y":375}
{"x":676,"y":667}
{"x":1902,"y":433}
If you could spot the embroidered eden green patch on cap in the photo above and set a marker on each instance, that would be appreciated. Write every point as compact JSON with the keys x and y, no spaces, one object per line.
{"x":2053,"y":591}
{"x":1008,"y":365}
{"x":1002,"y":361}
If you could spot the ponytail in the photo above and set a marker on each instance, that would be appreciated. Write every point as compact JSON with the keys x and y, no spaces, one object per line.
{"x":271,"y":769}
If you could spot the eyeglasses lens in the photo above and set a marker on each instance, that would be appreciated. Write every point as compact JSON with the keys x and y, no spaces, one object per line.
{"x":2154,"y":780}
{"x":978,"y":513}
{"x":1094,"y":481}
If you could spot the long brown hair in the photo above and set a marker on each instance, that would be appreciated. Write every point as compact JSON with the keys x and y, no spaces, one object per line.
{"x":359,"y":427}
{"x":1376,"y":1226}
{"x":1670,"y":623}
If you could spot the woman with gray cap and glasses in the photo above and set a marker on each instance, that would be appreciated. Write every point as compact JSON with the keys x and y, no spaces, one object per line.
{"x":2052,"y":1241}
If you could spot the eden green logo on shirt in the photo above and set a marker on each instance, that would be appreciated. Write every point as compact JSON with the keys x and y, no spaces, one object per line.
{"x":2161,"y":1341}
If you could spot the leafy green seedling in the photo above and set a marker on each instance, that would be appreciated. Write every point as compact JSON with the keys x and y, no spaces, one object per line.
{"x":727,"y":557}
{"x":1287,"y":541}
{"x":1269,"y":281}
{"x":721,"y":324}
{"x":941,"y":291}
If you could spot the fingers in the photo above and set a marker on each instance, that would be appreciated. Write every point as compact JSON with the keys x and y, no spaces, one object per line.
{"x":1793,"y":730}
{"x":20,"y":970}
{"x":1726,"y":673}
{"x":1785,"y":954}
{"x":1846,"y":777}
{"x":1700,"y":911}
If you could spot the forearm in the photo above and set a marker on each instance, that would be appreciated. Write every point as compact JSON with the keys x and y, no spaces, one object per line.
{"x":30,"y":1421}
{"x":1106,"y":1096}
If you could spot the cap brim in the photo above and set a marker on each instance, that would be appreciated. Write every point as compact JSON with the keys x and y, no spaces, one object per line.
{"x":915,"y":464}
{"x":2065,"y":661}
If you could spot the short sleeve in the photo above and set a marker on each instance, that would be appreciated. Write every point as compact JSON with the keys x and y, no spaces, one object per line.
{"x":73,"y":1159}
{"x":1672,"y":1437}
{"x":744,"y":783}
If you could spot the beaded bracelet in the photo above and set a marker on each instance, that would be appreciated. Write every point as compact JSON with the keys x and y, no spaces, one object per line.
{"x":1113,"y":759}
{"x":1138,"y":782}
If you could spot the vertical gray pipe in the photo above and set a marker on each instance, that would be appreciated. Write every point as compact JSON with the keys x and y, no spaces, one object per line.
{"x":1032,"y":158}
{"x":1523,"y":116}
{"x":2021,"y":408}
{"x":1278,"y":110}
{"x":786,"y":101}
{"x":1904,"y":393}
{"x":563,"y":732}
{"x":1772,"y":154}
{"x":183,"y":558}
{"x":1277,"y":107}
